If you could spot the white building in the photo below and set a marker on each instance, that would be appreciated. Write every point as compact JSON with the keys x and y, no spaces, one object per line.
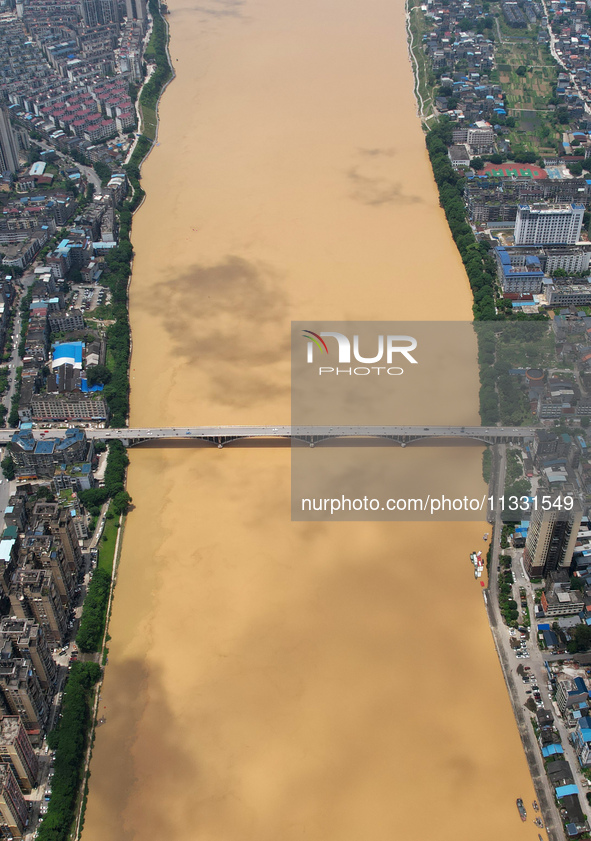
{"x":545,"y":224}
{"x":481,"y":137}
{"x":568,"y":259}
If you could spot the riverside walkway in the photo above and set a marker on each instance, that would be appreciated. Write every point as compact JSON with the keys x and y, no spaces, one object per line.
{"x":221,"y":435}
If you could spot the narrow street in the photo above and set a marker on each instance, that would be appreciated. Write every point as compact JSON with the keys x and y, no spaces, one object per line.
{"x":509,"y":663}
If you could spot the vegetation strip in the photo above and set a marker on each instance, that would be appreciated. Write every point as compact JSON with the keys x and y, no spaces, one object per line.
{"x":69,"y":740}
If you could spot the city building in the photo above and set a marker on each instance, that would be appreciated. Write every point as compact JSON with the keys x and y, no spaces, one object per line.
{"x":45,"y":408}
{"x":52,"y":519}
{"x":16,"y":750}
{"x":582,"y":740}
{"x":459,"y":156}
{"x":66,"y":321}
{"x":13,"y":806}
{"x":23,"y":695}
{"x":519,"y":272}
{"x":28,"y":641}
{"x":567,"y":295}
{"x":8,"y":145}
{"x":548,"y":224}
{"x":571,"y":693}
{"x":550,"y":540}
{"x":35,"y":597}
{"x":560,"y":600}
{"x":38,"y":459}
{"x":42,"y":551}
{"x":136,"y":10}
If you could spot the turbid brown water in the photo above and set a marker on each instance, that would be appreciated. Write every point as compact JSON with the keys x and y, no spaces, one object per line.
{"x":274,"y":680}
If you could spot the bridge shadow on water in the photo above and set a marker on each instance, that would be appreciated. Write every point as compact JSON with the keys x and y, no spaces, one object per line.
{"x":287,"y":443}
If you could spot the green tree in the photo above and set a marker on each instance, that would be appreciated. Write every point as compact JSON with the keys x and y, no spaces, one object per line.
{"x":98,"y":375}
{"x":69,"y":740}
{"x":92,"y":624}
{"x":477,"y":163}
{"x":577,"y":583}
{"x":121,"y":502}
{"x":521,"y":70}
{"x":7,"y":465}
{"x":580,"y":639}
{"x":93,"y":498}
{"x":103,"y":172}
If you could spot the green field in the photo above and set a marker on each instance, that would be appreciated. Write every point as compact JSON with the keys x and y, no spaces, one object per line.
{"x":527,"y":96}
{"x":149,"y":121}
{"x":107,"y":545}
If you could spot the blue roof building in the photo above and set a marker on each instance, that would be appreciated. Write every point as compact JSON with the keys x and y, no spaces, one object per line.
{"x":519,"y":272}
{"x":581,"y":739}
{"x":37,"y":459}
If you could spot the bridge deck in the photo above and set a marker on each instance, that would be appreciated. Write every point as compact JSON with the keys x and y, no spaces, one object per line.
{"x":228,"y":433}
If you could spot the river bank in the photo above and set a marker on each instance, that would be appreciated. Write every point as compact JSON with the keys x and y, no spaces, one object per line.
{"x":423,"y":94}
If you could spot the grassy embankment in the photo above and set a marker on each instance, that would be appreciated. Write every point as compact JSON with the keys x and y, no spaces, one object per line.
{"x":156,"y":53}
{"x":424,"y":84}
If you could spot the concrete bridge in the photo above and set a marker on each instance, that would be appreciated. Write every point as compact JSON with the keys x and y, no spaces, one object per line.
{"x":220,"y":435}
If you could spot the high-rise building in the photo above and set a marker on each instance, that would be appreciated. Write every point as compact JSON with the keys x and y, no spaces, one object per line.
{"x":36,"y":597}
{"x":550,"y":540}
{"x":58,"y":522}
{"x":108,"y":11}
{"x":16,"y":750}
{"x":136,"y":10}
{"x":28,"y":640}
{"x":13,"y":806}
{"x":43,"y":551}
{"x":548,"y":224}
{"x":23,"y":694}
{"x":8,"y":144}
{"x":96,"y":12}
{"x":90,"y":12}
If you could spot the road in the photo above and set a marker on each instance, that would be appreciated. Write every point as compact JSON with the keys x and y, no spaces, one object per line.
{"x":87,"y":171}
{"x":225,"y":434}
{"x":13,"y":343}
{"x":537,"y":667}
{"x":573,"y":79}
{"x":509,"y":663}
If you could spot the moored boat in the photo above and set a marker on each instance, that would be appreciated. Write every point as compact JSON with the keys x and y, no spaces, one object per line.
{"x":521,"y":809}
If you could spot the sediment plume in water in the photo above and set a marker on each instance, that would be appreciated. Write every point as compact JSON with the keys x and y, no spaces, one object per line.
{"x":270,"y":679}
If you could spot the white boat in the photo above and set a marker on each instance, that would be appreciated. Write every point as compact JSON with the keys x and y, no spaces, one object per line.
{"x":476,"y":558}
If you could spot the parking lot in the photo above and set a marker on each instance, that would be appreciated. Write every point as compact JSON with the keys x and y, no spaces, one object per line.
{"x":88,"y":298}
